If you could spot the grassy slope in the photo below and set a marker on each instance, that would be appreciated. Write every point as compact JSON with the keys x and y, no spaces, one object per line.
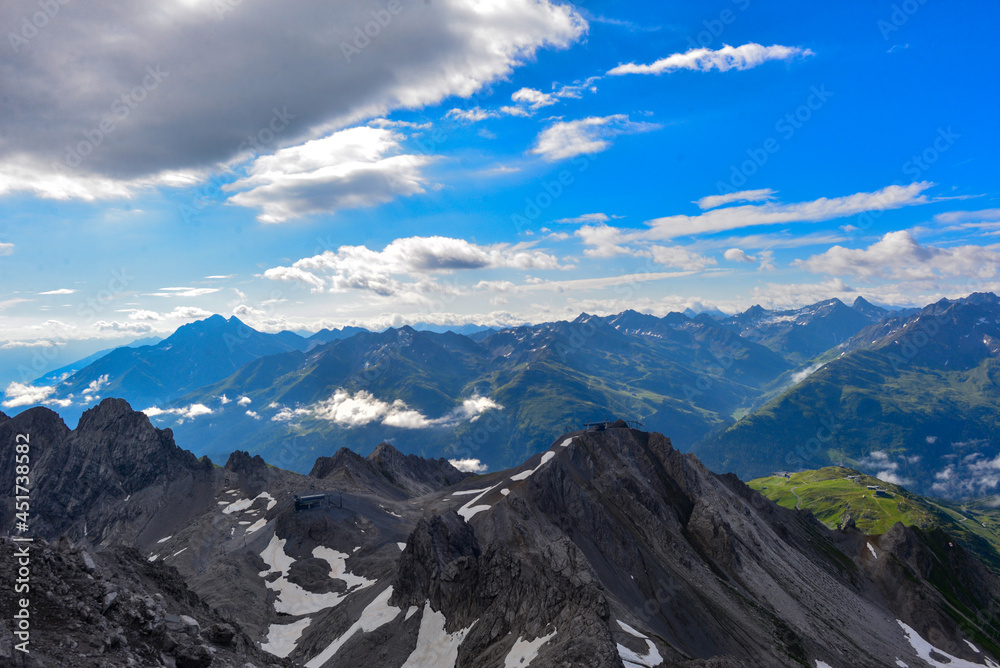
{"x":829,"y":496}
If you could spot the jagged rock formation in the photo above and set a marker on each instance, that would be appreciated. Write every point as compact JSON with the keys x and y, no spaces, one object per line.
{"x":386,"y":465}
{"x":611,"y":548}
{"x":113,"y":477}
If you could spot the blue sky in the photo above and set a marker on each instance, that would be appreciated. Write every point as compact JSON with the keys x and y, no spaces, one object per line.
{"x":491,"y":162}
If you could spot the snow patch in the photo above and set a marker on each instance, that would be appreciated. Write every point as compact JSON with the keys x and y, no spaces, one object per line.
{"x":632,"y":659}
{"x":924,"y":650}
{"x":505,"y":491}
{"x":468,"y":511}
{"x":436,"y":648}
{"x":524,"y":652}
{"x":524,"y":475}
{"x":872,"y":550}
{"x":257,"y":526}
{"x":243,"y":504}
{"x":164,"y":540}
{"x":401,"y":546}
{"x":178,"y":552}
{"x":153,"y":558}
{"x":377,"y":614}
{"x":292,"y":599}
{"x":566,"y":442}
{"x":338,"y":568}
{"x":281,"y":638}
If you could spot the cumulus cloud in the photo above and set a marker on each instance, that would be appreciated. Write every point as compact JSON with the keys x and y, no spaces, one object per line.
{"x":713,"y":201}
{"x":199,"y":109}
{"x":253,"y":415}
{"x":95,"y":386}
{"x":727,"y":58}
{"x":115,"y":327}
{"x":892,"y":478}
{"x":415,"y":258}
{"x":766,"y":257}
{"x":566,"y":139}
{"x":468,"y":465}
{"x":350,"y":169}
{"x":244,"y":401}
{"x":189,"y":412}
{"x":973,"y":475}
{"x":23,"y":394}
{"x":6,"y":248}
{"x":60,"y":291}
{"x":899,"y":255}
{"x":737,"y":255}
{"x":680,"y":257}
{"x":362,"y":408}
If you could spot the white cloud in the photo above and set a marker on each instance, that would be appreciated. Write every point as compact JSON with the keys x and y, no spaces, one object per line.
{"x":223,"y":399}
{"x":468,"y":465}
{"x":362,"y":408}
{"x":253,"y":414}
{"x":354,"y":168}
{"x":822,"y":209}
{"x":473,"y":115}
{"x":680,"y":257}
{"x":183,"y":292}
{"x":115,"y":327}
{"x":244,"y":401}
{"x":95,"y":386}
{"x":566,"y":139}
{"x":893,"y":478}
{"x":189,"y":412}
{"x":972,"y":475}
{"x":957,"y":217}
{"x":534,"y":99}
{"x":418,"y":258}
{"x":429,"y":52}
{"x":737,"y":255}
{"x":22,"y":394}
{"x":587,"y":218}
{"x":898,"y":255}
{"x":60,"y":291}
{"x":727,"y":58}
{"x":765,"y":257}
{"x":40,"y":343}
{"x":713,"y":201}
{"x":6,"y":249}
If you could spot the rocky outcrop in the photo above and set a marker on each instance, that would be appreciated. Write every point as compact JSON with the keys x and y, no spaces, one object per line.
{"x":107,"y":479}
{"x":388,"y":470}
{"x":414,"y":475}
{"x":115,"y":609}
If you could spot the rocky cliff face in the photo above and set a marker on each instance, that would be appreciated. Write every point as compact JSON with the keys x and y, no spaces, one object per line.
{"x":108,"y":479}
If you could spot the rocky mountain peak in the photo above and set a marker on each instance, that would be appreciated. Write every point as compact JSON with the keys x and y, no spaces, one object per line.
{"x":241,"y":461}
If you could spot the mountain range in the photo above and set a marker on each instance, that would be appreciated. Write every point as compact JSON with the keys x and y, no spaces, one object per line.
{"x":608,"y":549}
{"x":907,"y":395}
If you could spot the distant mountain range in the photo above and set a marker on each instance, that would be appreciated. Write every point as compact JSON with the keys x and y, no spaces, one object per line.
{"x":752,"y":393}
{"x":914,"y":399}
